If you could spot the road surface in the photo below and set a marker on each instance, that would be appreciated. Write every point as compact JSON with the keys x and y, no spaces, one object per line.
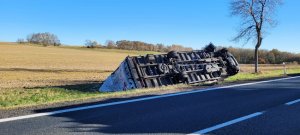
{"x":255,"y":109}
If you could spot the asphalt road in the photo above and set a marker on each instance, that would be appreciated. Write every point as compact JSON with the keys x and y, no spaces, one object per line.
{"x":221,"y":112}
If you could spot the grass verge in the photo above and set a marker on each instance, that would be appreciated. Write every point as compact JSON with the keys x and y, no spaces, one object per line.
{"x":262,"y":75}
{"x":14,"y":98}
{"x":23,"y":97}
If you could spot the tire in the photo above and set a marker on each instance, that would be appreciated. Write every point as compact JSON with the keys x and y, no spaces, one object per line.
{"x":163,"y":68}
{"x":216,"y":74}
{"x":173,"y":54}
{"x":184,"y":76}
{"x":150,"y":58}
{"x":210,"y":48}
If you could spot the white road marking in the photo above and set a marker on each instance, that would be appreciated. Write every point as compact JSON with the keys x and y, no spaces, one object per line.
{"x":204,"y":131}
{"x":133,"y":100}
{"x":292,"y":102}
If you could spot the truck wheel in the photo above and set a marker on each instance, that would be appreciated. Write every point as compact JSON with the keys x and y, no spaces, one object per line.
{"x":173,"y":54}
{"x":163,"y":68}
{"x":184,"y":76}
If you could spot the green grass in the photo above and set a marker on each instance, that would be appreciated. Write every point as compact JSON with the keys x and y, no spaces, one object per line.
{"x":22,"y":97}
{"x":13,"y":98}
{"x":28,"y":97}
{"x":261,"y":75}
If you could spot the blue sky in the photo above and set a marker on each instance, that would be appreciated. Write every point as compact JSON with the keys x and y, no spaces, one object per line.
{"x":193,"y":23}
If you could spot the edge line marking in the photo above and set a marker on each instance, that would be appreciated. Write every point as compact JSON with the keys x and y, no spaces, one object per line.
{"x":228,"y":123}
{"x":135,"y":100}
{"x":292,"y":102}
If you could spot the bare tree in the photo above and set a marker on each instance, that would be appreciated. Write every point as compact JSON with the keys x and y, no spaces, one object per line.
{"x":110,"y":44}
{"x":257,"y":16}
{"x":43,"y":39}
{"x":91,"y":44}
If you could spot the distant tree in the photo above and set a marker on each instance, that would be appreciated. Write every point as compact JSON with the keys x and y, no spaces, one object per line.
{"x":45,"y":39}
{"x":91,"y":44}
{"x":188,"y":49}
{"x":21,"y":41}
{"x":274,"y":56}
{"x":271,"y":57}
{"x":110,"y":44}
{"x":256,"y":15}
{"x":160,"y":47}
{"x":142,"y":46}
{"x":175,"y":47}
{"x":277,"y":54}
{"x":262,"y":61}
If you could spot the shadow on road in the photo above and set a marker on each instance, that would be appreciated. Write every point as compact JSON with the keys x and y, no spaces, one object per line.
{"x":295,"y":74}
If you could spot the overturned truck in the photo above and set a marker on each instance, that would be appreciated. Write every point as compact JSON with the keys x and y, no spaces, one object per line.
{"x":190,"y":67}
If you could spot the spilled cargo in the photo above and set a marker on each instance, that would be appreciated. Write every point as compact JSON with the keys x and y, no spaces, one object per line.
{"x":190,"y":67}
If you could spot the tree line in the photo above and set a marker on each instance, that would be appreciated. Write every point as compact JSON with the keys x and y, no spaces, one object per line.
{"x":243,"y":56}
{"x":45,"y":39}
{"x":274,"y":56}
{"x":136,"y":45}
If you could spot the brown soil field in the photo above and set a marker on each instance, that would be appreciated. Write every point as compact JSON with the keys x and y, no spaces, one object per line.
{"x":28,"y":66}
